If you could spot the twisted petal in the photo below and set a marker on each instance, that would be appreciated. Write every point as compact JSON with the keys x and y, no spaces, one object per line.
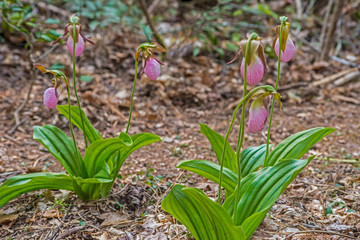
{"x":51,"y":98}
{"x":257,"y":118}
{"x":152,"y":69}
{"x":79,"y":46}
{"x":255,"y":71}
{"x":289,"y":50}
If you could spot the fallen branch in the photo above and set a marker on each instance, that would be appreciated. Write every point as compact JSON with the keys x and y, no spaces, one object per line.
{"x":60,"y":225}
{"x":320,"y":231}
{"x":334,"y":77}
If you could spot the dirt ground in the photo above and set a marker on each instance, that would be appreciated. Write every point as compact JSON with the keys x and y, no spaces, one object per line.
{"x":191,"y":90}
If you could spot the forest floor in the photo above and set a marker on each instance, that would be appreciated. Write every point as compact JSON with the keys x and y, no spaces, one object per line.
{"x":191,"y":90}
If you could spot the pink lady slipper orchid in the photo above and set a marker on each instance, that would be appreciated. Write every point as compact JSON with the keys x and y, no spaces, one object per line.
{"x":78,"y":37}
{"x":257,"y":116}
{"x":256,"y":62}
{"x":287,"y":45}
{"x":152,"y":68}
{"x":51,"y":97}
{"x":151,"y":65}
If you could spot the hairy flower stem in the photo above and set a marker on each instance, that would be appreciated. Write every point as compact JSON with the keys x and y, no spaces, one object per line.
{"x":283,"y":20}
{"x":70,"y":119}
{"x":242,"y":120}
{"x":132,"y":97}
{"x":74,"y":77}
{"x":229,"y":130}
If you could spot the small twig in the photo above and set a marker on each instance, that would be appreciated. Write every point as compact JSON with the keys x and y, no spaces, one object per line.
{"x":166,"y":192}
{"x":315,"y":49}
{"x":325,"y":23}
{"x":60,"y":225}
{"x":329,"y":39}
{"x":319,"y":231}
{"x":116,"y":193}
{"x":13,"y":129}
{"x":70,"y":231}
{"x":149,"y":21}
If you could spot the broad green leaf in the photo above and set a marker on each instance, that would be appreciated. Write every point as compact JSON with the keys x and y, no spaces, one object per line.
{"x":138,"y":141}
{"x":210,"y":171}
{"x":62,"y":148}
{"x":295,"y":146}
{"x":217,"y":143}
{"x":260,"y":190}
{"x":91,"y":133}
{"x":205,"y":219}
{"x":251,"y":159}
{"x":101,"y":151}
{"x":18,"y":185}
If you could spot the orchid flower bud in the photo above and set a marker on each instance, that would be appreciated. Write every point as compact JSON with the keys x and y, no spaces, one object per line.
{"x":152,"y":68}
{"x":256,"y":62}
{"x":51,"y":97}
{"x":79,"y":45}
{"x":287,"y":45}
{"x":257,"y":116}
{"x":79,"y":38}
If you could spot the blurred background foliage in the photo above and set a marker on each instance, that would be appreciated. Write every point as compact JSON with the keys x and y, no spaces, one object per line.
{"x":189,"y":27}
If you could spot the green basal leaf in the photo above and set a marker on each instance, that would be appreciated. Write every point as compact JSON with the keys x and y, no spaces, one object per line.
{"x":251,"y":159}
{"x":62,"y":148}
{"x":102,"y":151}
{"x":91,"y":133}
{"x":210,"y":171}
{"x":295,"y":146}
{"x":260,"y":190}
{"x":18,"y":185}
{"x":217,"y":143}
{"x":205,"y":219}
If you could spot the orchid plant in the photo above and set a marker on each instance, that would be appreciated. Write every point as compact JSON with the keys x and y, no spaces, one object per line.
{"x":254,"y":177}
{"x":90,"y":174}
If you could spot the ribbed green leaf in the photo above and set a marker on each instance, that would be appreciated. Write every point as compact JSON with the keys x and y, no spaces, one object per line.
{"x":217,"y":143}
{"x":91,"y":133}
{"x":18,"y":185}
{"x":251,"y":159}
{"x":101,"y":151}
{"x":138,"y":141}
{"x":62,"y":148}
{"x":205,"y":219}
{"x":295,"y":146}
{"x":210,"y":171}
{"x":260,"y":190}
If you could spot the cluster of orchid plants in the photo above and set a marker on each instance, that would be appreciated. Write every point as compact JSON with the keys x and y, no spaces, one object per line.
{"x":254,"y":177}
{"x":91,"y":174}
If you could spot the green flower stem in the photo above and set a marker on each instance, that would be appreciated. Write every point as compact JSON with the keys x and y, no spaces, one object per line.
{"x":70,"y":121}
{"x":132,"y":97}
{"x":74,"y":77}
{"x":267,"y":88}
{"x":283,"y":20}
{"x":242,"y":120}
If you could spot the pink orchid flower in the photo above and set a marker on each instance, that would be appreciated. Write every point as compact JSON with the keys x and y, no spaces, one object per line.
{"x":152,"y":68}
{"x":80,"y":39}
{"x":256,"y":62}
{"x":51,"y":97}
{"x":287,"y":45}
{"x":257,"y":116}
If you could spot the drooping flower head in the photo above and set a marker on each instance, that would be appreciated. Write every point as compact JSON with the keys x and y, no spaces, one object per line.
{"x":73,"y":33}
{"x":52,"y":94}
{"x":51,"y":97}
{"x":258,"y":111}
{"x":287,"y":45}
{"x":256,"y":62}
{"x":151,"y":65}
